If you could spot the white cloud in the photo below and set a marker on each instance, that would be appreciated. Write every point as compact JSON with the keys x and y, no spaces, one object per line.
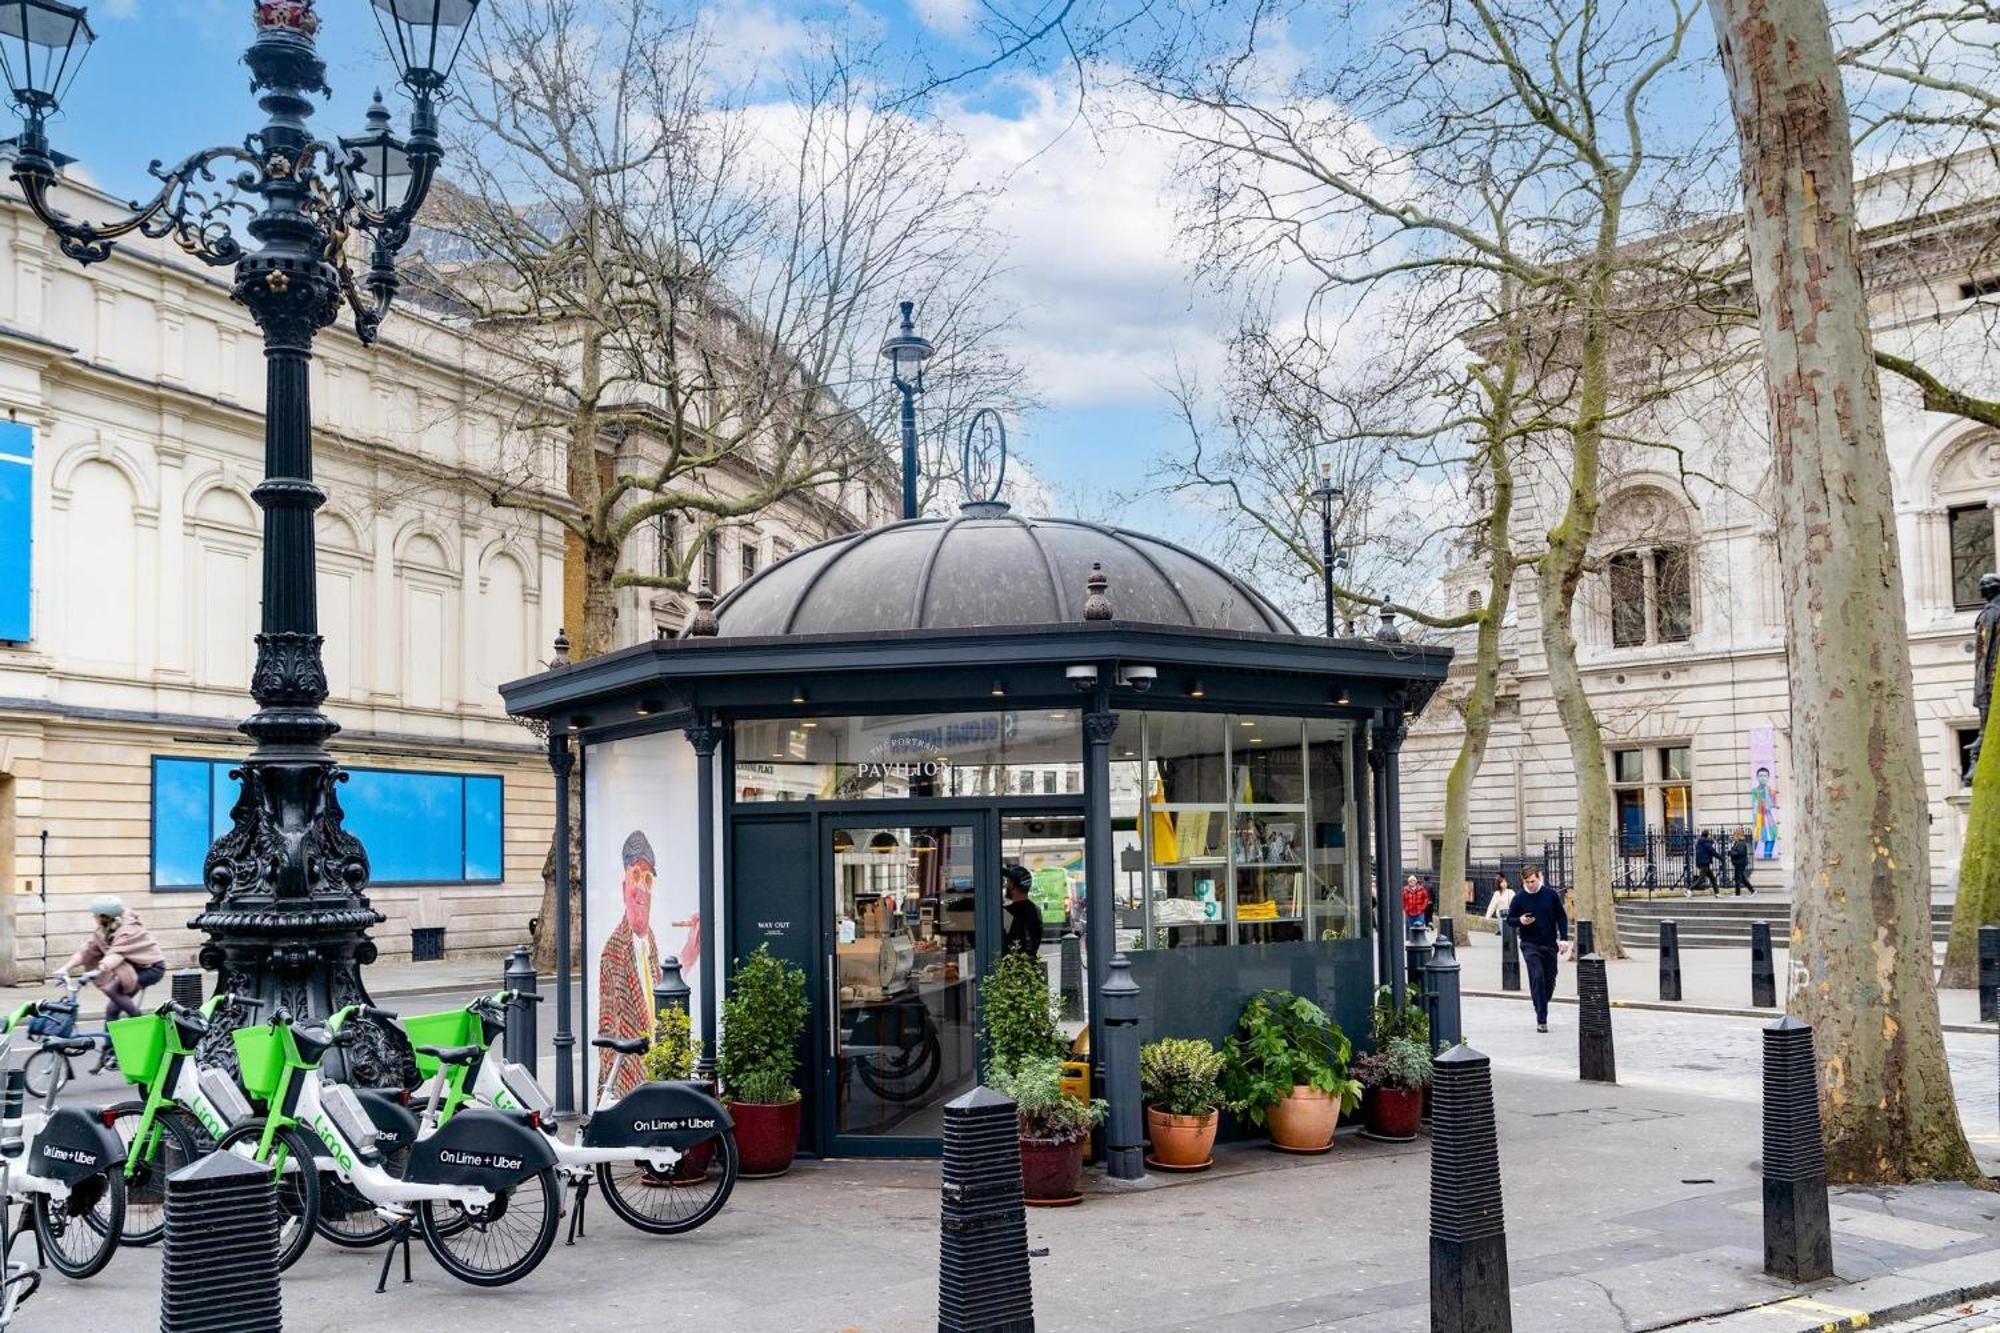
{"x":953,"y":17}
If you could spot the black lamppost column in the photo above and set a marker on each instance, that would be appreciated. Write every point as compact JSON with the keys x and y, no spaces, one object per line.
{"x":1389,"y":851}
{"x":1388,"y":938}
{"x":706,"y":736}
{"x":561,"y":761}
{"x":906,"y":354}
{"x":1100,"y":724}
{"x":1326,"y":493}
{"x":288,"y":915}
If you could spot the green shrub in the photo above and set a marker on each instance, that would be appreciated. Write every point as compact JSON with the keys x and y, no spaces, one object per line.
{"x":1181,"y":1076}
{"x":675,"y":1050}
{"x":1400,"y":1064}
{"x":1284,"y":1040}
{"x":1019,"y":1013}
{"x":1384,"y":1023}
{"x":1046,"y":1112}
{"x":763,"y":1016}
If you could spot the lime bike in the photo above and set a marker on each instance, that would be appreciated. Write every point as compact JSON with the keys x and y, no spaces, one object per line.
{"x":481,"y":1191}
{"x":664,"y":1154}
{"x":186,"y":1110}
{"x":62,"y":1167}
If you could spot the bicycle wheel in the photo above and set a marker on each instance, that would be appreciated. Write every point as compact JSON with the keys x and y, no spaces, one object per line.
{"x":78,"y":1227}
{"x":501,"y":1242}
{"x":346,"y":1216}
{"x":173,"y":1145}
{"x":678,"y":1199}
{"x":298,"y":1183}
{"x":906,"y":1075}
{"x":45,"y":1066}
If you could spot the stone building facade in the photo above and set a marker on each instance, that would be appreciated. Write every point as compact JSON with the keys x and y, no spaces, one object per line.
{"x":131,"y":427}
{"x":1680,"y":626}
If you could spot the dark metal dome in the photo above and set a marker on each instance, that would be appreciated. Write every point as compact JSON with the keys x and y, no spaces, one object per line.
{"x":988,"y":567}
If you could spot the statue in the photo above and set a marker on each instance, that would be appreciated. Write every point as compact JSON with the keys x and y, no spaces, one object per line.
{"x":1985,"y":631}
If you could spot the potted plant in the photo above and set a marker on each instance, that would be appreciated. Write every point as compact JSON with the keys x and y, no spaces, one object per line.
{"x":1286,"y":1067}
{"x":763,"y":1016}
{"x":672,"y":1059}
{"x":1181,"y":1080}
{"x":1054,"y":1128}
{"x":1396,"y":1075}
{"x":1018,"y":1013}
{"x":1385,"y":1024}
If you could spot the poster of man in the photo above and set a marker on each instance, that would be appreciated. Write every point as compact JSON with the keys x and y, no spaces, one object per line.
{"x":641,"y":901}
{"x":1764,"y":793}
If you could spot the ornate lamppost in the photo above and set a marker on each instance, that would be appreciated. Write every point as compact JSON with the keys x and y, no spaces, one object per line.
{"x":287,"y":915}
{"x":1326,"y":493}
{"x":906,"y":354}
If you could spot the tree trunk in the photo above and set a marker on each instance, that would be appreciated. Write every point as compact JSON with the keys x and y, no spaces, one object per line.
{"x":599,"y":631}
{"x":1978,"y":901}
{"x":1861,"y":934}
{"x":545,"y":927}
{"x":1485,"y":675}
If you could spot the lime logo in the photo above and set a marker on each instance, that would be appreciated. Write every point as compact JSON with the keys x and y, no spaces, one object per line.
{"x":505,"y":1102}
{"x":210,"y":1121}
{"x":326,"y":1134}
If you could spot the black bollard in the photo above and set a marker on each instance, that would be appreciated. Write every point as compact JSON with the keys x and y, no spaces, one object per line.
{"x":519,"y":977}
{"x":1468,"y":1223}
{"x":1763,"y":979}
{"x":983,"y":1281}
{"x":1596,"y":1061}
{"x":1989,"y":974}
{"x":1070,"y":974}
{"x":187,"y":984}
{"x":1124,"y":1127}
{"x":1670,"y":960}
{"x":1586,"y":939}
{"x":1442,"y":984}
{"x":1798,"y":1234}
{"x":1510,"y":955}
{"x":1417,"y":952}
{"x":220,"y":1269}
{"x":673,"y":992}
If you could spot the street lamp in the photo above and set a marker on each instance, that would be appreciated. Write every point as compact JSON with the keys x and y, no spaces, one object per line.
{"x":906,"y":354}
{"x":1326,"y":493}
{"x":287,"y":916}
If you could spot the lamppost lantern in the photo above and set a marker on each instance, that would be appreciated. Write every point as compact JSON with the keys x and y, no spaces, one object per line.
{"x":906,"y":354}
{"x":1326,"y":493}
{"x":287,"y":914}
{"x":42,"y":45}
{"x":425,"y":37}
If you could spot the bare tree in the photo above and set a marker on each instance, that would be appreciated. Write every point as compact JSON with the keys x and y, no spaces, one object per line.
{"x":1861,"y":951}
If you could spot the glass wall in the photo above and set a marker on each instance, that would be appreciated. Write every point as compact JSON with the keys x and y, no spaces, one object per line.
{"x":1244,"y":838}
{"x":1010,"y":752}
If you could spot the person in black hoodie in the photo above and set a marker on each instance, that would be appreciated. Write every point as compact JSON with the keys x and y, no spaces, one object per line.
{"x":1543,"y":928}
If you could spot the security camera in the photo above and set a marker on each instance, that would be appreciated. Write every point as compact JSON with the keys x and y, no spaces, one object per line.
{"x":1138,"y":678}
{"x":1082,"y":676}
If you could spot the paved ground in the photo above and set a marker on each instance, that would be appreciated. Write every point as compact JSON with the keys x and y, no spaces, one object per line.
{"x":1970,"y":1317}
{"x":1630,"y":1207}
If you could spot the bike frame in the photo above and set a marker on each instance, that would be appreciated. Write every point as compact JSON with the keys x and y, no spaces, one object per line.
{"x":176,"y":1086}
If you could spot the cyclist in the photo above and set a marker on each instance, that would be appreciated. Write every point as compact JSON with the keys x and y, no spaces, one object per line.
{"x":127,"y":957}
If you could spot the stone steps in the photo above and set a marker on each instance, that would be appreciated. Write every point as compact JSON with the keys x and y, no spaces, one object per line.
{"x":1724,"y":923}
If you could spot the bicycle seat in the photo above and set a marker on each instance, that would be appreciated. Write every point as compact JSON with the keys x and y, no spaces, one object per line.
{"x":622,"y":1045}
{"x":453,"y":1055}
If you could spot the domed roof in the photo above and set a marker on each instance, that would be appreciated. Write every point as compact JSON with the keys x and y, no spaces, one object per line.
{"x":988,"y":567}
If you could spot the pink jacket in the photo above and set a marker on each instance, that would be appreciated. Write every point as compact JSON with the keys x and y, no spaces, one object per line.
{"x":127,"y":941}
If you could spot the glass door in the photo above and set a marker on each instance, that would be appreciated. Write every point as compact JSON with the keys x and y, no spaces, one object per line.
{"x":909,"y":924}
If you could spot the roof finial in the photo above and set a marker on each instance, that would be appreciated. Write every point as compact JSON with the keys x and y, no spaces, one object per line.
{"x":1097,"y":606}
{"x":703,"y":625}
{"x":1388,"y":633}
{"x":562,"y":648}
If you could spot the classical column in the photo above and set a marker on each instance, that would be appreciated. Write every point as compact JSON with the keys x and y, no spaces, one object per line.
{"x":705,"y":735}
{"x":561,"y":761}
{"x":1100,"y":898}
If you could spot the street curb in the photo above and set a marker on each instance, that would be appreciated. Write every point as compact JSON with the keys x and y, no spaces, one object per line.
{"x":1714,"y":1010}
{"x":1889,"y":1313}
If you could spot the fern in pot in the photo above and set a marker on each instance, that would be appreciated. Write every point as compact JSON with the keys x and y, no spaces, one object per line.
{"x":763,"y":1016}
{"x":1181,"y":1080}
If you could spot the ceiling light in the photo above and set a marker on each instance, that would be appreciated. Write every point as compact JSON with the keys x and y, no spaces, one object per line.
{"x":1197,"y":691}
{"x":998,"y":690}
{"x":798,"y":695}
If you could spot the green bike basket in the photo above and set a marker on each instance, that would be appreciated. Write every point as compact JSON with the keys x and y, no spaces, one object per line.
{"x":449,"y":1027}
{"x":141,"y":1044}
{"x":260,"y":1055}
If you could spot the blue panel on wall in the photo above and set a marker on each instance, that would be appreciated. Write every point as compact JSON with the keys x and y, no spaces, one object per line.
{"x":17,"y":529}
{"x":482,"y":828}
{"x":180,"y":821}
{"x":223,"y":790}
{"x":412,"y":824}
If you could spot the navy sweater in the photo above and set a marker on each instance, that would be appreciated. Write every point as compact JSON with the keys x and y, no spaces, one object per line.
{"x":1551,"y":922}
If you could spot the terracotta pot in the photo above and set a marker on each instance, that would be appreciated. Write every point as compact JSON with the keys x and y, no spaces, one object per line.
{"x":1304,"y":1121}
{"x":1182,"y":1142}
{"x":1395,"y":1113}
{"x":767,"y":1136}
{"x":1052,"y":1171}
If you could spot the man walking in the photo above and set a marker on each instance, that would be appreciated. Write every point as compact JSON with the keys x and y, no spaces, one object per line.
{"x":1739,"y":863}
{"x":1542,"y":927}
{"x":1704,"y":865}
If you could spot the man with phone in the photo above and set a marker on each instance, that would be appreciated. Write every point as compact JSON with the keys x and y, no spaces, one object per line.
{"x":1543,"y":929}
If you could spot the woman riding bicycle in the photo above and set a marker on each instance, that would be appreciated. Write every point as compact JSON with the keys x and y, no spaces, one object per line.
{"x":124,"y":952}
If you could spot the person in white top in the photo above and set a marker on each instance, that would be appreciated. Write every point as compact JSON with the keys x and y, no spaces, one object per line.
{"x":1502,"y":899}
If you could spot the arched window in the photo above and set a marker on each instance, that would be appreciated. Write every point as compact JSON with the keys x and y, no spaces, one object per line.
{"x":503,"y":625}
{"x":226,"y":587}
{"x":429,"y":594}
{"x":100,"y":550}
{"x":1966,"y":486}
{"x":1649,"y":569}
